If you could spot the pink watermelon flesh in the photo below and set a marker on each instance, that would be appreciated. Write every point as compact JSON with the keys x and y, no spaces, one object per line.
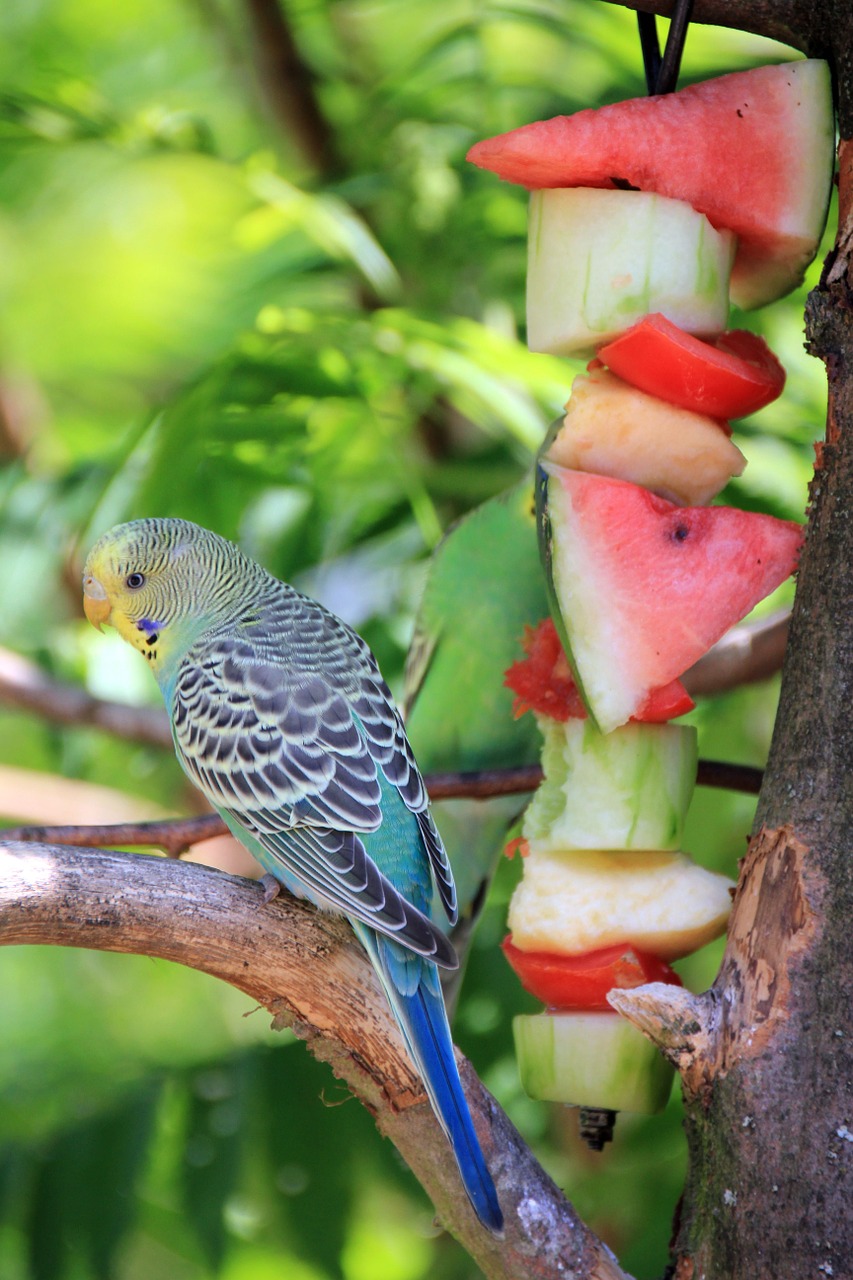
{"x":645,"y":587}
{"x":753,"y":151}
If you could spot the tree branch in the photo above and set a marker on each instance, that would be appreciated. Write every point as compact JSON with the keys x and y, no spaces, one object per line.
{"x":766,"y":1054}
{"x":307,"y":969}
{"x":750,"y":652}
{"x":798,"y":23}
{"x":175,"y":835}
{"x":290,"y":86}
{"x":26,"y":686}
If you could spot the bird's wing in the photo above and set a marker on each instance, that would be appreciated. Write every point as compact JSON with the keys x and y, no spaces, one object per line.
{"x":288,"y":732}
{"x":334,"y":869}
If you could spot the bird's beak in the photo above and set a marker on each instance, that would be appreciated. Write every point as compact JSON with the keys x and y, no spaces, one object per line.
{"x":96,"y":604}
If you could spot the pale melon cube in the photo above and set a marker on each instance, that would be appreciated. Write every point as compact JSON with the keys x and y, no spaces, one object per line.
{"x":599,"y":260}
{"x":572,"y":902}
{"x":613,"y":429}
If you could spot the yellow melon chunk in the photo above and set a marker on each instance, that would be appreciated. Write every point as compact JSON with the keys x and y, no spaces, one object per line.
{"x":613,"y":429}
{"x":572,"y":902}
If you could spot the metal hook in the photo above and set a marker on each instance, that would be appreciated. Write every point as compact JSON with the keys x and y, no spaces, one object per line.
{"x":662,"y":72}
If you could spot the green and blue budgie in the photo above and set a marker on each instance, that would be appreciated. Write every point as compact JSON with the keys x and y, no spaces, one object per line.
{"x":281,"y":717}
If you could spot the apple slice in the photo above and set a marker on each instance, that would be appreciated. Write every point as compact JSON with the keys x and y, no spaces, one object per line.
{"x":571,"y":902}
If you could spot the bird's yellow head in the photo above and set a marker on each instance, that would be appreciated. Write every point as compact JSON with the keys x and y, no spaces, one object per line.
{"x":158,"y":581}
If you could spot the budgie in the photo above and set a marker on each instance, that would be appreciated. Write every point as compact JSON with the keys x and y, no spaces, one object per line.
{"x":280,"y":716}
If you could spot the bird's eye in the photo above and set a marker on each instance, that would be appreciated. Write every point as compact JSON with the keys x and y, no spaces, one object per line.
{"x":134,"y":581}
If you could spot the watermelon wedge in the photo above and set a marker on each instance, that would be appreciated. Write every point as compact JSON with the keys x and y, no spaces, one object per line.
{"x":641,"y":588}
{"x":752,"y":150}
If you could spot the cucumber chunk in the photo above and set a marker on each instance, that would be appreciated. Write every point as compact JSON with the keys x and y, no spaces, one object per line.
{"x":629,"y":789}
{"x":590,"y":1060}
{"x":600,"y":260}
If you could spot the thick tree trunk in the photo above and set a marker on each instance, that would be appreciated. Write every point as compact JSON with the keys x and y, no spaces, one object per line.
{"x":767,"y":1055}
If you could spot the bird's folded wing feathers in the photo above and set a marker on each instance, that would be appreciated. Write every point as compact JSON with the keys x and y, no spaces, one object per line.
{"x":297,"y":745}
{"x":333,"y":868}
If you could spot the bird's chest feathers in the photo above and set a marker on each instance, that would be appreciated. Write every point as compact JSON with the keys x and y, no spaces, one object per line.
{"x":159,"y":642}
{"x":147,"y":635}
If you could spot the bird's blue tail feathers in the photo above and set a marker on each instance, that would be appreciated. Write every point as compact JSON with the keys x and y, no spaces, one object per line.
{"x":414,"y":993}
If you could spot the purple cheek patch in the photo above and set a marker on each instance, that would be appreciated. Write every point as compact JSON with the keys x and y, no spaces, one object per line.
{"x":148,"y":626}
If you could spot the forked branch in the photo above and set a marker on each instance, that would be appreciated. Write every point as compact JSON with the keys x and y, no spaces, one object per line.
{"x":309,"y":972}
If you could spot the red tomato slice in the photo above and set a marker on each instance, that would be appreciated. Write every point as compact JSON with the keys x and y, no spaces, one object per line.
{"x":735,"y":375}
{"x":542,"y":682}
{"x":582,"y":982}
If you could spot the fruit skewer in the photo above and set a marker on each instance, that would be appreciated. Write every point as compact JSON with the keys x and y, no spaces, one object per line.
{"x":644,"y":576}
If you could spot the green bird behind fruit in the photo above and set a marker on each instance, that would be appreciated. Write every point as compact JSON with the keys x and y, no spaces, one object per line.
{"x":484,"y":586}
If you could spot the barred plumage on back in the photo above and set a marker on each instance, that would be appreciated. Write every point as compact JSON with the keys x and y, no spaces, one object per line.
{"x":281,"y":717}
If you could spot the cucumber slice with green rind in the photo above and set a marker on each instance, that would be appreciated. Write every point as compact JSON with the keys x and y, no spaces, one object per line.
{"x":600,"y":260}
{"x":590,"y":1060}
{"x":629,"y":789}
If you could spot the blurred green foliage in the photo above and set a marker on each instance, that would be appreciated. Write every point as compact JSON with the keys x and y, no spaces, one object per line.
{"x":316,"y":351}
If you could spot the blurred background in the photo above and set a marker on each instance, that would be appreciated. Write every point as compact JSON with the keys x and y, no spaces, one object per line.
{"x":247,"y":278}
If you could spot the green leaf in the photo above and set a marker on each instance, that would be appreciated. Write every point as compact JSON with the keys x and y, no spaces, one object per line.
{"x":310,"y":1144}
{"x":116,"y":1147}
{"x":333,"y":225}
{"x":485,"y":584}
{"x":82,"y":1199}
{"x":213,"y":1147}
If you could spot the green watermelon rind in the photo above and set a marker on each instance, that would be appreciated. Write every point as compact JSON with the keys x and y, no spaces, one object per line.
{"x":556,"y":602}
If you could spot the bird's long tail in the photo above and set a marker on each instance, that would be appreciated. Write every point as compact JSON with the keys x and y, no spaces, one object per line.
{"x":414,"y":993}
